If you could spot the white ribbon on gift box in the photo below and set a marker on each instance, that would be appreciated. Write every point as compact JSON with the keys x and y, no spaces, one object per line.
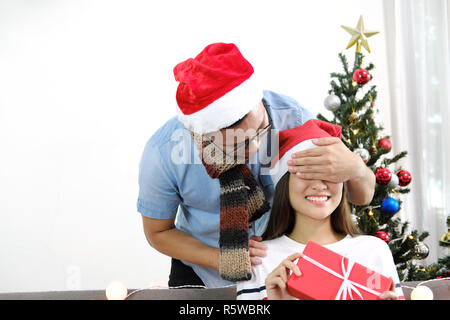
{"x":347,"y":285}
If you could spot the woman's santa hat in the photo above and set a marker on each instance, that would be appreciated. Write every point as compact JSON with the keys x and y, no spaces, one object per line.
{"x":215,"y":89}
{"x":297,"y":139}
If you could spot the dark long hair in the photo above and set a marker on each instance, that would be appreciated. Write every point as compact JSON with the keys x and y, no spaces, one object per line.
{"x":282,"y":216}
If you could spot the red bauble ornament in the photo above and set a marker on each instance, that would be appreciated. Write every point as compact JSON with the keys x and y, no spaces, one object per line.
{"x":383,"y":175}
{"x":404,"y":178}
{"x":361,"y":76}
{"x":385,"y":144}
{"x":383,"y":236}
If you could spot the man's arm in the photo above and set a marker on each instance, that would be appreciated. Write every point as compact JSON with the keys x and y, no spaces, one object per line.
{"x":162,"y":235}
{"x":158,"y":202}
{"x":360,"y":190}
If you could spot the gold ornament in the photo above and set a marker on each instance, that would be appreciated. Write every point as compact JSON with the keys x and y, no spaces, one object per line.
{"x":354,"y":118}
{"x":359,"y":35}
{"x":373,"y":149}
{"x":355,"y":131}
{"x":371,"y":215}
{"x":445,"y":238}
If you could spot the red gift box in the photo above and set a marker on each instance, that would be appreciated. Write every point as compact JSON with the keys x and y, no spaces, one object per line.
{"x":327,"y":275}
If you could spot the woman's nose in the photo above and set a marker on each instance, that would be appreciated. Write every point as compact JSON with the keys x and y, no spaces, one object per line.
{"x":318,"y":185}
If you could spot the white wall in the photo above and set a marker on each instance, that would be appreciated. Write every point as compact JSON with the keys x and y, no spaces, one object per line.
{"x":83,"y":86}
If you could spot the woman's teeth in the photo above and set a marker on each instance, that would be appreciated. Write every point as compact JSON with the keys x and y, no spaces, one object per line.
{"x":318,"y":199}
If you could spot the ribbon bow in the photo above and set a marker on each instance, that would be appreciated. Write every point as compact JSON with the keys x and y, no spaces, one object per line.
{"x":347,"y":285}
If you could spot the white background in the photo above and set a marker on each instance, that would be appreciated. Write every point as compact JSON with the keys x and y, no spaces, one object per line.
{"x":83,"y":86}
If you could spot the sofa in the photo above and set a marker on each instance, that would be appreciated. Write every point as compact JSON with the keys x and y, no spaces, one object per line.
{"x":441,"y":291}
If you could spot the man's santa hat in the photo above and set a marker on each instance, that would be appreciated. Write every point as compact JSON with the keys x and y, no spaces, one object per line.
{"x":297,"y":139}
{"x":215,"y":89}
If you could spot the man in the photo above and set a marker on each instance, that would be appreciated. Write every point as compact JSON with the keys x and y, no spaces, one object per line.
{"x":198,"y":211}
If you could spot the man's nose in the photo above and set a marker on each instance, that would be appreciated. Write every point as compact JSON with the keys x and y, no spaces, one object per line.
{"x":254,"y":145}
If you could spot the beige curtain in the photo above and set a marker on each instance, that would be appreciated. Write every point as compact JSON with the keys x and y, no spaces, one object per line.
{"x":418,"y":45}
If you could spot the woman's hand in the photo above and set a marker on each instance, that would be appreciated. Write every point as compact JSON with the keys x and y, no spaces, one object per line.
{"x":389,"y":295}
{"x":277,"y":279}
{"x":256,"y":249}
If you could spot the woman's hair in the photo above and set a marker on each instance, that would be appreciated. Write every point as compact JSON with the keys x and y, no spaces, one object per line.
{"x":282,"y":216}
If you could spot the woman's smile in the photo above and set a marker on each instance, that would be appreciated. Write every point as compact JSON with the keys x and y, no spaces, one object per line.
{"x":318,"y":200}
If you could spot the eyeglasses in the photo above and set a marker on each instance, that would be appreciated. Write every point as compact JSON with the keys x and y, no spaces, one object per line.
{"x":230,"y":150}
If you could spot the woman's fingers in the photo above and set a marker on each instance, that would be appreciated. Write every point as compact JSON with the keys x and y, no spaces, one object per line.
{"x":294,"y":256}
{"x":274,"y":280}
{"x":388,"y":295}
{"x":391,"y":294}
{"x":280,"y":283}
{"x":288,"y":264}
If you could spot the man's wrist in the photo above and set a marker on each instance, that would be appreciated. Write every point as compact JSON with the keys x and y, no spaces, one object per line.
{"x":215,"y":255}
{"x":361,"y":171}
{"x":360,"y":189}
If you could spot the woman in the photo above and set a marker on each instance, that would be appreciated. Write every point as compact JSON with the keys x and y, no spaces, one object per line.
{"x":310,"y":210}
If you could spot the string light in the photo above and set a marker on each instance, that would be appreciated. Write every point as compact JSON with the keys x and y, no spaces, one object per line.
{"x":421,"y":292}
{"x":116,"y":290}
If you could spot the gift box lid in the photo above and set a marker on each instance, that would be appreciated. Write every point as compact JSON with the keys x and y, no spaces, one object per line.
{"x":327,"y":275}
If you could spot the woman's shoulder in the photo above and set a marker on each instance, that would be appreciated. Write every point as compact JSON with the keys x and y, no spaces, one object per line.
{"x":279,"y":249}
{"x":273,"y":242}
{"x":365,"y":238}
{"x":367,"y":242}
{"x":284,"y":244}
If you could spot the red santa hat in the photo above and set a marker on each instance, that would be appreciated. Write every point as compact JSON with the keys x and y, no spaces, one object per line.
{"x":297,"y":139}
{"x":215,"y":89}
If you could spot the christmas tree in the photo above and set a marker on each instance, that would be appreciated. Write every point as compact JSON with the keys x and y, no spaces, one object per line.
{"x":352,"y":102}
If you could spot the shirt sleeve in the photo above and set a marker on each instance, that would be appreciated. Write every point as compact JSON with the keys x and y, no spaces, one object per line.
{"x":158,"y":193}
{"x":253,"y":289}
{"x":390,"y":270}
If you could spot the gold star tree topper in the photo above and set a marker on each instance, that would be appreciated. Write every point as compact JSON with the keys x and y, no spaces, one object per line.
{"x":359,"y":36}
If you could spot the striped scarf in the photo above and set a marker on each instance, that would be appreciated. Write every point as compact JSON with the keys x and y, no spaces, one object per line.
{"x":241,"y":201}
